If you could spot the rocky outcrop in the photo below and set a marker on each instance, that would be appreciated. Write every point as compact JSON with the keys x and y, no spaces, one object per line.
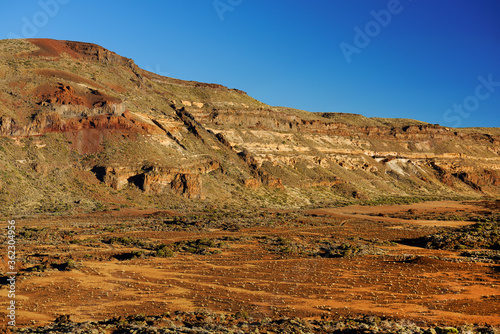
{"x":8,"y":126}
{"x":113,"y":114}
{"x":391,"y":153}
{"x":261,"y":176}
{"x":156,"y":180}
{"x":478,"y":179}
{"x":252,"y":183}
{"x":273,"y":120}
{"x":188,"y":185}
{"x":58,"y":121}
{"x":98,"y":53}
{"x":52,"y":122}
{"x":65,"y":94}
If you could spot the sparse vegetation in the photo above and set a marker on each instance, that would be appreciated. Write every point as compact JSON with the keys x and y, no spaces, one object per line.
{"x":198,"y":246}
{"x":138,"y":195}
{"x":242,"y":322}
{"x":477,"y":236}
{"x":329,"y":250}
{"x":298,"y":254}
{"x":163,"y":251}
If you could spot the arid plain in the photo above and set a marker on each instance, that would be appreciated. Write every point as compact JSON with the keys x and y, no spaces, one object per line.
{"x":153,"y":202}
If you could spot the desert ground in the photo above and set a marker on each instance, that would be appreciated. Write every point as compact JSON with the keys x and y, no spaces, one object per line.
{"x":429,"y":263}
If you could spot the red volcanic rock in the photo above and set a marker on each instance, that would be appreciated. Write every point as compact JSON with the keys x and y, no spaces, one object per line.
{"x":98,"y":53}
{"x":269,"y":180}
{"x":188,"y":185}
{"x":63,"y":94}
{"x":78,"y":50}
{"x":479,"y":179}
{"x":52,"y":122}
{"x":51,"y":48}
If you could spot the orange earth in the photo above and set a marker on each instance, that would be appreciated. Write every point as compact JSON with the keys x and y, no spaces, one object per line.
{"x":260,"y":262}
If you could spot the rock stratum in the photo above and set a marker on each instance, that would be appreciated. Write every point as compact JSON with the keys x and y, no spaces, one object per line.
{"x":82,"y":128}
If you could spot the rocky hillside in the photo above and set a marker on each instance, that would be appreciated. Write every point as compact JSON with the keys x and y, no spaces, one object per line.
{"x":82,"y":128}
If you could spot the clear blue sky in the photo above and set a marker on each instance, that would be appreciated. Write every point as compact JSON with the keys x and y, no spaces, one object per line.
{"x":419,"y":63}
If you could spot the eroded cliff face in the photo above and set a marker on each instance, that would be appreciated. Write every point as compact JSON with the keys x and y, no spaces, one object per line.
{"x":132,"y":129}
{"x":158,"y":180}
{"x":424,"y":155}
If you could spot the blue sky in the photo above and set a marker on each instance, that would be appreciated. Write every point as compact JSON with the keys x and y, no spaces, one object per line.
{"x":435,"y":61}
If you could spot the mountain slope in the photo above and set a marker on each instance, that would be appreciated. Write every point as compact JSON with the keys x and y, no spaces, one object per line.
{"x":82,"y":128}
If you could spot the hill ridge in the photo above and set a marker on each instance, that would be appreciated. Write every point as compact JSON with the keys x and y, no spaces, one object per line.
{"x":83,"y":128}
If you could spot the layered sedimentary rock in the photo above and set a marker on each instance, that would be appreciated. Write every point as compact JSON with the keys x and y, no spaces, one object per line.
{"x":157,"y":179}
{"x":133,"y":129}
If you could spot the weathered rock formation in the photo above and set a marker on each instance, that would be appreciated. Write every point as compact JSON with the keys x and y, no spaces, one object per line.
{"x":157,"y":180}
{"x":93,"y":110}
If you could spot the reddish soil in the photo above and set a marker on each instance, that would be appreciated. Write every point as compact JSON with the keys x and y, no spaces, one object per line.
{"x":379,"y":213}
{"x":55,"y":73}
{"x":69,"y":95}
{"x":52,"y":48}
{"x":86,"y":141}
{"x":249,"y":272}
{"x":86,"y":134}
